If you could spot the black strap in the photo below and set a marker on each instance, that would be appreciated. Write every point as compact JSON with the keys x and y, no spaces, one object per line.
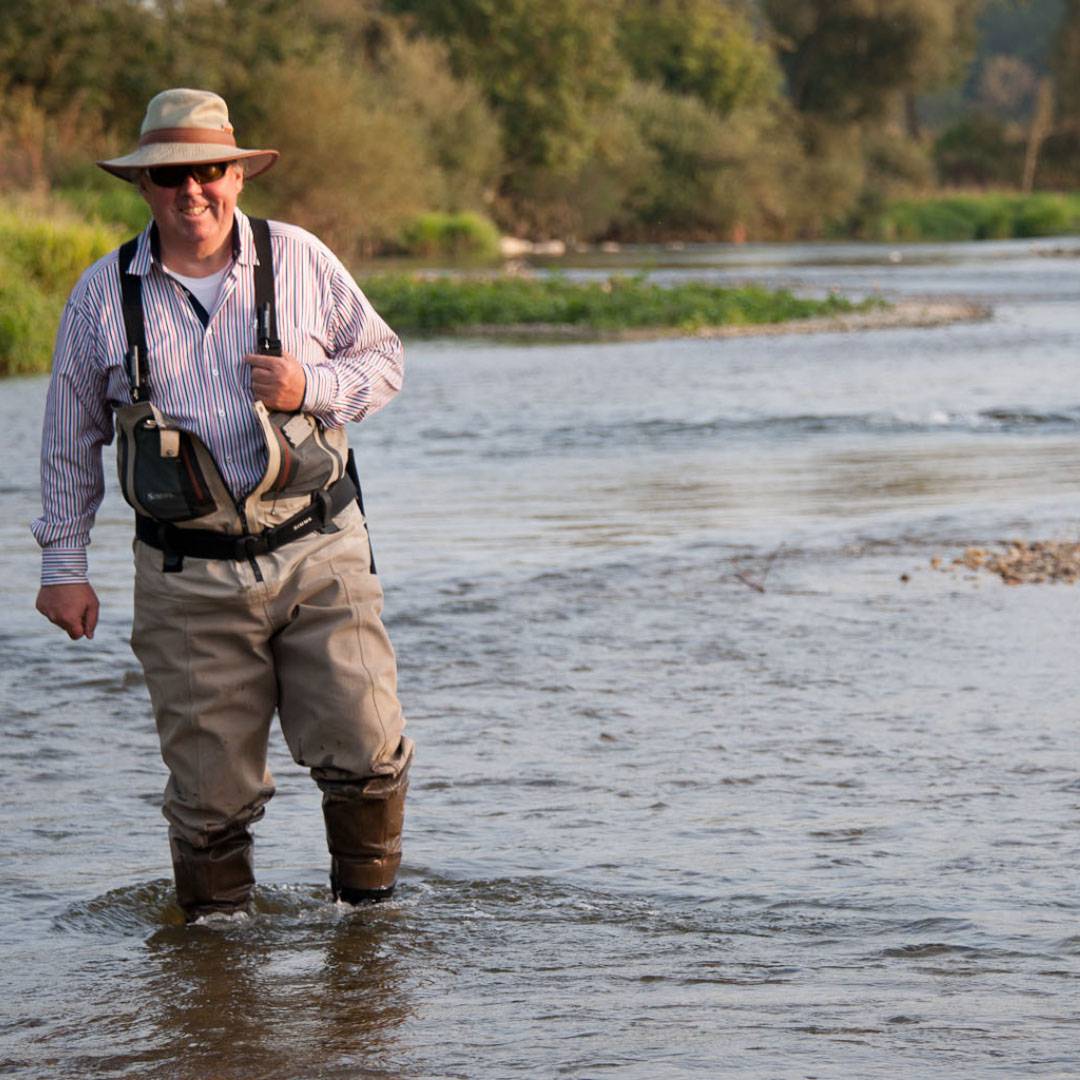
{"x":352,"y":473}
{"x":207,"y":544}
{"x":135,"y":358}
{"x":265,"y":307}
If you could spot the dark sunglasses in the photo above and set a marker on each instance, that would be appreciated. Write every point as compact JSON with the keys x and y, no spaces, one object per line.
{"x":170,"y":176}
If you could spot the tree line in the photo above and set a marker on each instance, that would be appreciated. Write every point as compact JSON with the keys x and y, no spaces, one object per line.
{"x":580,"y":119}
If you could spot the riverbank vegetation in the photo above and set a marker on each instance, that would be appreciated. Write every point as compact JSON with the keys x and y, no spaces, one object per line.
{"x":40,"y":260}
{"x":966,"y":216}
{"x":42,"y":255}
{"x":400,"y":121}
{"x":434,"y":305}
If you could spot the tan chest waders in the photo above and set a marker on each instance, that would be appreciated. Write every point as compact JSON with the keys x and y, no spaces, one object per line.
{"x":171,"y":480}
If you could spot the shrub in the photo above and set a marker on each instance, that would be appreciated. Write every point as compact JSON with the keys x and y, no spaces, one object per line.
{"x":52,"y":253}
{"x":28,"y":320}
{"x":990,"y":216}
{"x":977,"y":150}
{"x":94,"y":195}
{"x":1043,"y":215}
{"x":40,"y":260}
{"x":451,"y":236}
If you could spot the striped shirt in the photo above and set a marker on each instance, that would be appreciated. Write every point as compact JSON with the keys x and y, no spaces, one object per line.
{"x":352,"y":362}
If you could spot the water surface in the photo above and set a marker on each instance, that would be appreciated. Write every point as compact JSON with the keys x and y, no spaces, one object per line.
{"x":662,"y":824}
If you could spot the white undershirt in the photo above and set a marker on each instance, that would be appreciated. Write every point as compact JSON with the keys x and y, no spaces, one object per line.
{"x":204,"y":289}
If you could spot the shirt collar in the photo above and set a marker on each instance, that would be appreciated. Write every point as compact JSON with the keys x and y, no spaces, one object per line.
{"x":243,"y":240}
{"x":148,"y":250}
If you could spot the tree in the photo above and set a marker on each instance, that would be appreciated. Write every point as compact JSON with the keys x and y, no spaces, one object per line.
{"x":701,"y":48}
{"x":848,"y":60}
{"x":545,"y":68}
{"x":1066,"y":65}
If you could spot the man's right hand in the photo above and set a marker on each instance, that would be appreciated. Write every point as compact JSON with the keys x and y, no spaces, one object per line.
{"x":73,"y":608}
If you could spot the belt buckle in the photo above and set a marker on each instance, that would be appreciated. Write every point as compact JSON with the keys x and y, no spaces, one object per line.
{"x":248,"y":546}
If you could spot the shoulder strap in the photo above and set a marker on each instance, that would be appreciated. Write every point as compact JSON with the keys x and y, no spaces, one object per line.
{"x":131,"y":294}
{"x":265,"y":308}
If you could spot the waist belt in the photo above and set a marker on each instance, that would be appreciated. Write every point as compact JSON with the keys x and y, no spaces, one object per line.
{"x":206,"y":544}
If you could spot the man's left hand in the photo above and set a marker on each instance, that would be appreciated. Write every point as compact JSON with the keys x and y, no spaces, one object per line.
{"x":277,"y":381}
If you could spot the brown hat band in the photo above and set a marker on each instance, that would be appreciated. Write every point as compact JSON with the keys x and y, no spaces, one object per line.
{"x":189,"y":135}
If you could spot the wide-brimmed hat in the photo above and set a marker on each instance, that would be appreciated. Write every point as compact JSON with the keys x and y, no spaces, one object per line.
{"x":187,"y":127}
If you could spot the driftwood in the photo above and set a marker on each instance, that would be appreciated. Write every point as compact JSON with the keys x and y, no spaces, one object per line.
{"x":757,"y":585}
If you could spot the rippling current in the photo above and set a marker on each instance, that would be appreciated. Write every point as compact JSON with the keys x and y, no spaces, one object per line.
{"x":662,"y":823}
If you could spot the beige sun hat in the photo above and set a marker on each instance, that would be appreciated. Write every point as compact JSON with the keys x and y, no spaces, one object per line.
{"x":187,"y":127}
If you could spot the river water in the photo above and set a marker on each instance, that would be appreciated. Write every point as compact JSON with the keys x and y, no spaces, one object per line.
{"x":662,"y":824}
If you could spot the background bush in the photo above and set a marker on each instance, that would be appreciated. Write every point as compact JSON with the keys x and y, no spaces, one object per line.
{"x":41,"y":257}
{"x":581,"y":119}
{"x":451,"y":236}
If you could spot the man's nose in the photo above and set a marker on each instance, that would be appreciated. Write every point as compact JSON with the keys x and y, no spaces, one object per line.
{"x":190,"y":186}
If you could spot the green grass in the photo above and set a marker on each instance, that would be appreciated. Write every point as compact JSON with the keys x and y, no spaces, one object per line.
{"x":989,"y":216}
{"x":40,"y":260}
{"x":435,"y":305}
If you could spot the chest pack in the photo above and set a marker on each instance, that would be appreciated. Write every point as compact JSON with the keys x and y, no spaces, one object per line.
{"x":170,"y":478}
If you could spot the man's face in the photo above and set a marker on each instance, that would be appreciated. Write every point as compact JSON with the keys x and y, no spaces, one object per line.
{"x":194,"y":219}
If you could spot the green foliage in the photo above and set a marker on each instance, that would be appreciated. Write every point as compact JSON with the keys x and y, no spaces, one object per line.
{"x":543,"y":68}
{"x":1046,"y":215}
{"x":461,"y":137}
{"x":94,"y":195}
{"x":846,"y":59}
{"x":40,"y":260}
{"x":451,"y":236}
{"x":977,"y":150}
{"x":52,"y":253}
{"x":357,"y":176}
{"x":28,"y":319}
{"x":433,"y":305}
{"x":975,"y":217}
{"x":699,"y":48}
{"x":581,"y":119}
{"x":1066,"y":62}
{"x":600,"y":196}
{"x":684,"y":194}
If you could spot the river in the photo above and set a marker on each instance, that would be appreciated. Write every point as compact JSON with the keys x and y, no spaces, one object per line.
{"x":662,"y":823}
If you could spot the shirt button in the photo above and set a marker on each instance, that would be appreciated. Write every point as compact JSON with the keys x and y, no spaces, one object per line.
{"x":221,"y":412}
{"x":213,"y":371}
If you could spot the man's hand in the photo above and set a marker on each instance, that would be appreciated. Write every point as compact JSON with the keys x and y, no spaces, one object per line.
{"x":277,"y":381}
{"x":73,"y":608}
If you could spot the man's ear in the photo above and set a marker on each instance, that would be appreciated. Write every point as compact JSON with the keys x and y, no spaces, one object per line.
{"x":140,"y":185}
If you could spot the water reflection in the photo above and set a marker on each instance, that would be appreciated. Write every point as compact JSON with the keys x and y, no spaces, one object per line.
{"x":284,"y":994}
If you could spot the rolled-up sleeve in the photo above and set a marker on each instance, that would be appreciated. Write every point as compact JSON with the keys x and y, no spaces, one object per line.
{"x":364,"y":368}
{"x":78,"y":422}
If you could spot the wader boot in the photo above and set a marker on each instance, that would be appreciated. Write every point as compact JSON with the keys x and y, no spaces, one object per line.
{"x":363,"y":831}
{"x":216,"y":878}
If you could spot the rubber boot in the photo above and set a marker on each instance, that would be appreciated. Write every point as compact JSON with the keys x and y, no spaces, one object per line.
{"x":215,"y":878}
{"x":363,"y":831}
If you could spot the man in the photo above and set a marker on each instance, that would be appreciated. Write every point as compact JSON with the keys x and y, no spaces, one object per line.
{"x":230,"y":353}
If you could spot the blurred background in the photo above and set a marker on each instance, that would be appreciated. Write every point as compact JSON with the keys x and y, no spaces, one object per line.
{"x":578,"y":120}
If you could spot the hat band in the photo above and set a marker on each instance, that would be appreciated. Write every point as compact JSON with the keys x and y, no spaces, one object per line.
{"x":188,"y":135}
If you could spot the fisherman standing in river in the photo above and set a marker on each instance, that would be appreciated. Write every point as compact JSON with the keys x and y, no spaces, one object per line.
{"x":230,"y":352}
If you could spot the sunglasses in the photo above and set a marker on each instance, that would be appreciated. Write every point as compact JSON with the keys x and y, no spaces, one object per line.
{"x":172,"y":176}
